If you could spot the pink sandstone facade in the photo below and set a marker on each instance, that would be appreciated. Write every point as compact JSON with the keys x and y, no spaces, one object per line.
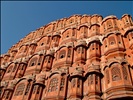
{"x":83,"y":57}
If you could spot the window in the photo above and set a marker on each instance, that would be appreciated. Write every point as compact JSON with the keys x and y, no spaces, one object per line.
{"x":20,"y":89}
{"x":124,"y":70}
{"x":40,"y":60}
{"x":48,"y":59}
{"x":42,"y":44}
{"x":48,"y":40}
{"x":34,"y":89}
{"x":69,"y":52}
{"x":53,"y":85}
{"x":9,"y":69}
{"x":6,"y":94}
{"x":14,"y":68}
{"x":112,"y":40}
{"x":73,"y":32}
{"x":67,"y":35}
{"x":78,"y":82}
{"x":33,"y":61}
{"x":62,"y":84}
{"x":38,"y":90}
{"x":73,"y":82}
{"x":109,"y":24}
{"x":62,"y":54}
{"x":116,"y":75}
{"x":28,"y":88}
{"x":80,"y":50}
{"x":32,"y":64}
{"x":91,"y":78}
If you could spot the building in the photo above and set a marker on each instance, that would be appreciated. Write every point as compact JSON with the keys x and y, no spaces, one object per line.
{"x":83,"y":57}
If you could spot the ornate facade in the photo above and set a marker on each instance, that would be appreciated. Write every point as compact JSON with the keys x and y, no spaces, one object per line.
{"x":83,"y":57}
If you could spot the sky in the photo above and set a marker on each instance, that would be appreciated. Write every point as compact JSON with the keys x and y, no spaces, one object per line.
{"x":18,"y":18}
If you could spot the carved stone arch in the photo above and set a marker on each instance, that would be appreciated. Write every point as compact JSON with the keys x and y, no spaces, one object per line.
{"x":115,"y":72}
{"x":82,"y":26}
{"x":73,"y":17}
{"x":108,"y":17}
{"x":128,"y":31}
{"x":84,"y":19}
{"x":94,"y":41}
{"x":114,"y":61}
{"x":48,"y":28}
{"x":9,"y":69}
{"x":62,"y":46}
{"x":54,"y":73}
{"x":106,"y":66}
{"x":94,"y":25}
{"x":20,"y":87}
{"x":34,"y":59}
{"x":38,"y":42}
{"x":67,"y":29}
{"x":23,"y":48}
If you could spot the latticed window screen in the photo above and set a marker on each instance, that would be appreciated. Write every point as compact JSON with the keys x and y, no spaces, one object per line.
{"x":62,"y":84}
{"x":53,"y":85}
{"x":116,"y":75}
{"x":20,"y":89}
{"x":125,"y":74}
{"x":6,"y":94}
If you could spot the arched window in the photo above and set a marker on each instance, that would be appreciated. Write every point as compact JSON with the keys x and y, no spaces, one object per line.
{"x":40,"y":60}
{"x":33,"y":62}
{"x":109,"y":24}
{"x":62,"y":54}
{"x":53,"y":85}
{"x":20,"y":89}
{"x":116,"y":75}
{"x":111,"y":40}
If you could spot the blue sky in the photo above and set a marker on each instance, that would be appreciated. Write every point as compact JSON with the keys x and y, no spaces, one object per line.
{"x":18,"y":18}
